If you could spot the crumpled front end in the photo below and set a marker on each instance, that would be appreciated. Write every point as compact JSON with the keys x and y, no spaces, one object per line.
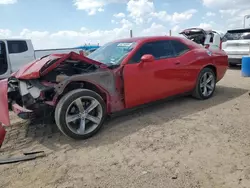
{"x":32,"y":91}
{"x":19,"y":96}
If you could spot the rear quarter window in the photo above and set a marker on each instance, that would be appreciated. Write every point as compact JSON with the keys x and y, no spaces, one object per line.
{"x":15,"y":47}
{"x":179,"y":47}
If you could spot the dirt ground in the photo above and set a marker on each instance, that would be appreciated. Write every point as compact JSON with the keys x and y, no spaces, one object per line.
{"x":179,"y":143}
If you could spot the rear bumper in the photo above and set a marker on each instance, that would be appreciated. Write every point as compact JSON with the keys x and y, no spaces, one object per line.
{"x":235,"y":59}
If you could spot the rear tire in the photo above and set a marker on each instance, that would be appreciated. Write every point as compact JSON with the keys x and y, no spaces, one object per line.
{"x":80,"y":114}
{"x":205,"y":84}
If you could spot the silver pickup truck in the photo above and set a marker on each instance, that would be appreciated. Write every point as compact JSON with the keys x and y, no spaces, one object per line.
{"x":236,"y":43}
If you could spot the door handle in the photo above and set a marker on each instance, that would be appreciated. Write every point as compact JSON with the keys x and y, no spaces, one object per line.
{"x":177,"y":63}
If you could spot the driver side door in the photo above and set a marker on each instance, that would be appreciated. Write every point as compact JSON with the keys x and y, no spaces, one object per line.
{"x":149,"y":81}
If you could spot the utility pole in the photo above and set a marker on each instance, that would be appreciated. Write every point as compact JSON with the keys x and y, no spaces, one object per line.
{"x":131,"y":33}
{"x":170,"y":32}
{"x":245,"y":17}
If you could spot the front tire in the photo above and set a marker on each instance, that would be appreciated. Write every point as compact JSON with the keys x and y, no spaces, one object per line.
{"x":205,"y":85}
{"x":80,"y":114}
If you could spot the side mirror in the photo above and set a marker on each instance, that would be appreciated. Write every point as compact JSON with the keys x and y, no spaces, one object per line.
{"x":147,"y":58}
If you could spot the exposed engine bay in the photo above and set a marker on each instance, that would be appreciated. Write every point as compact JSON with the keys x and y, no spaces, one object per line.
{"x":38,"y":94}
{"x":69,"y":68}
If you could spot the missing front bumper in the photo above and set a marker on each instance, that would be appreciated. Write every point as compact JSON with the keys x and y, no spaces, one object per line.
{"x":21,"y":112}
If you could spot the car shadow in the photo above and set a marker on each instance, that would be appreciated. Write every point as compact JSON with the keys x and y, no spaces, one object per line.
{"x":120,"y":126}
{"x":236,"y":67}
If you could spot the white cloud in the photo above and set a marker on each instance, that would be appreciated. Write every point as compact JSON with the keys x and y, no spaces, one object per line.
{"x":119,"y":15}
{"x":155,"y":29}
{"x":126,"y":23}
{"x":226,"y":4}
{"x":205,"y":26}
{"x":210,"y":14}
{"x":162,"y":15}
{"x":4,"y":33}
{"x":6,"y":2}
{"x":94,"y":6}
{"x":176,"y":30}
{"x":91,"y":6}
{"x":143,"y":11}
{"x":83,"y":29}
{"x":228,"y":12}
{"x":176,"y":17}
{"x":70,"y":38}
{"x":232,"y":11}
{"x":140,"y":10}
{"x":186,"y":15}
{"x":234,"y":17}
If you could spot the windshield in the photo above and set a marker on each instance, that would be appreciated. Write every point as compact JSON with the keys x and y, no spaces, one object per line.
{"x":112,"y":53}
{"x":240,"y":35}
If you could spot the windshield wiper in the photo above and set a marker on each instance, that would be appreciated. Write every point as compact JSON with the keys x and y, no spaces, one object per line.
{"x":112,"y":66}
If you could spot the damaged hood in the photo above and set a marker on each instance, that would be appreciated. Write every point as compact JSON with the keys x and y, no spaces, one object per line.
{"x":42,"y":66}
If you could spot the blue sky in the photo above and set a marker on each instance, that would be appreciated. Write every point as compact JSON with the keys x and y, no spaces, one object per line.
{"x":67,"y":23}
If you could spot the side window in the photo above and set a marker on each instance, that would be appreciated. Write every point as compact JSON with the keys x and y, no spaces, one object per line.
{"x":211,"y":38}
{"x":179,"y":47}
{"x":15,"y":47}
{"x":159,"y":49}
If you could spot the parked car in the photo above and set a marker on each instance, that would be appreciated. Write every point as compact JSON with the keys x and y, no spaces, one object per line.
{"x":14,"y":53}
{"x":81,"y":91}
{"x":208,"y":38}
{"x":236,"y":43}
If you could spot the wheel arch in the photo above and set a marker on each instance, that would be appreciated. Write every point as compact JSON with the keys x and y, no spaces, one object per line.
{"x":64,"y":88}
{"x":211,"y":67}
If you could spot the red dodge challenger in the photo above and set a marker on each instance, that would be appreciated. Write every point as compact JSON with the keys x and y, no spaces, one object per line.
{"x":81,"y":91}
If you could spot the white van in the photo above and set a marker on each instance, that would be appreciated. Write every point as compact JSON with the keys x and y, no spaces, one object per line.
{"x":14,"y":53}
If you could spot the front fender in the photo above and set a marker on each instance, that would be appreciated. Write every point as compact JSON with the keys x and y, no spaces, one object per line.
{"x":104,"y":81}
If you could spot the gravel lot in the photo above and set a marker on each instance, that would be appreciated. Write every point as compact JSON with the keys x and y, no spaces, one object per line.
{"x":179,"y":143}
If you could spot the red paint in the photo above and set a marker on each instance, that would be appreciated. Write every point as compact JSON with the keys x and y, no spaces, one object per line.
{"x":72,"y":56}
{"x":149,"y":81}
{"x":4,"y":110}
{"x":139,"y":83}
{"x":2,"y":134}
{"x":33,"y":69}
